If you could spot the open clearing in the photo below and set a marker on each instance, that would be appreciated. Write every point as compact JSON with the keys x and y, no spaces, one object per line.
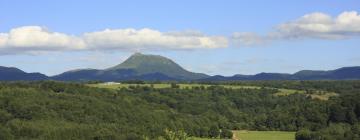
{"x":321,"y":95}
{"x":196,"y":138}
{"x":264,"y":135}
{"x":116,"y":86}
{"x":257,"y":135}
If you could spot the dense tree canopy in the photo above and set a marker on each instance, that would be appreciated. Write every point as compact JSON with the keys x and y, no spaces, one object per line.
{"x":56,"y":110}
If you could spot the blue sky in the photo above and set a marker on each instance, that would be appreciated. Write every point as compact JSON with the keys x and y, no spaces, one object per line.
{"x":212,"y":18}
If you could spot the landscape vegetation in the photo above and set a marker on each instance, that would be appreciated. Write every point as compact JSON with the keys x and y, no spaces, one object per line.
{"x":145,"y":110}
{"x":152,"y":97}
{"x":179,"y":70}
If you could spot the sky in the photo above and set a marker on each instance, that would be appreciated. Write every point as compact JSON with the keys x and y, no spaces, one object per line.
{"x":214,"y":37}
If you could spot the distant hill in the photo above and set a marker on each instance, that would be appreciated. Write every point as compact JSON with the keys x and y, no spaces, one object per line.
{"x":93,"y":74}
{"x":345,"y":73}
{"x":155,"y":67}
{"x":13,"y":74}
{"x":138,"y":66}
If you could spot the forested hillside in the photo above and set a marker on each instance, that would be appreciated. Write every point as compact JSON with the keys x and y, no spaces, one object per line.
{"x":56,"y":110}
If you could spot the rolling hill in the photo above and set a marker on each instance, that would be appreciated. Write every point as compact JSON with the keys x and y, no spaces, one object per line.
{"x":345,"y":73}
{"x":12,"y":74}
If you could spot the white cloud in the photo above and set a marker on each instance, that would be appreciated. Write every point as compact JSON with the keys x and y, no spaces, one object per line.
{"x":35,"y":38}
{"x":315,"y":25}
{"x":151,"y":39}
{"x":38,"y":39}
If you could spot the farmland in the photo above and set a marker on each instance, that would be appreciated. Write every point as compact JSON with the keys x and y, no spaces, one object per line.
{"x":319,"y":94}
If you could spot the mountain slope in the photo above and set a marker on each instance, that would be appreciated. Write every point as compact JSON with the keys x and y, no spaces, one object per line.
{"x":13,"y":74}
{"x":138,"y":66}
{"x":345,"y":73}
{"x":148,"y":64}
{"x":93,"y":74}
{"x":155,"y":67}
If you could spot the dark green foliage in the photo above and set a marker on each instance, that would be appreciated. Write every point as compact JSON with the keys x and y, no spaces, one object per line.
{"x":174,"y":85}
{"x":56,"y":110}
{"x":226,"y":134}
{"x":339,"y":131}
{"x":303,"y":134}
{"x":5,"y":133}
{"x":343,"y":118}
{"x":214,"y":132}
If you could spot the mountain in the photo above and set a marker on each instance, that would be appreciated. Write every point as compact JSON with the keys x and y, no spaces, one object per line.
{"x":345,"y":73}
{"x":311,"y":74}
{"x":138,"y":66}
{"x":270,"y":76}
{"x":150,"y":64}
{"x":13,"y":74}
{"x":94,"y":74}
{"x":155,"y":67}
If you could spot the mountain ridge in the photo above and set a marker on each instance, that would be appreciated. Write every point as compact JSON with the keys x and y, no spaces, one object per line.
{"x":12,"y":74}
{"x":344,"y":73}
{"x":155,"y":67}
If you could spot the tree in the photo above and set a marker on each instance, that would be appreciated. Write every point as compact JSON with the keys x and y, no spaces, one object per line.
{"x":226,"y":134}
{"x":175,"y":135}
{"x":5,"y":134}
{"x":204,"y":132}
{"x":214,"y":131}
{"x":174,"y":85}
{"x":303,"y":134}
{"x":337,"y":113}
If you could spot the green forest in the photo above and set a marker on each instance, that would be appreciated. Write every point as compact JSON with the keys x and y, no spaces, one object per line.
{"x":61,"y":110}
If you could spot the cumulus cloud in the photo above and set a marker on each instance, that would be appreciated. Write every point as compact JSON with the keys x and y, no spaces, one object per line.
{"x":37,"y":39}
{"x":151,"y":39}
{"x":315,"y":25}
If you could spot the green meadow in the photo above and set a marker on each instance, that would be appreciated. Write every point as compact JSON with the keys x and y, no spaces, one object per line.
{"x":321,"y":95}
{"x":257,"y":135}
{"x":166,"y":85}
{"x":263,"y":135}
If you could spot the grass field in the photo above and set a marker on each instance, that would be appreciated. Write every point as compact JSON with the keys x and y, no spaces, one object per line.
{"x":282,"y":92}
{"x":196,"y":138}
{"x":116,"y":86}
{"x":285,"y":92}
{"x":257,"y":135}
{"x":264,"y":135}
